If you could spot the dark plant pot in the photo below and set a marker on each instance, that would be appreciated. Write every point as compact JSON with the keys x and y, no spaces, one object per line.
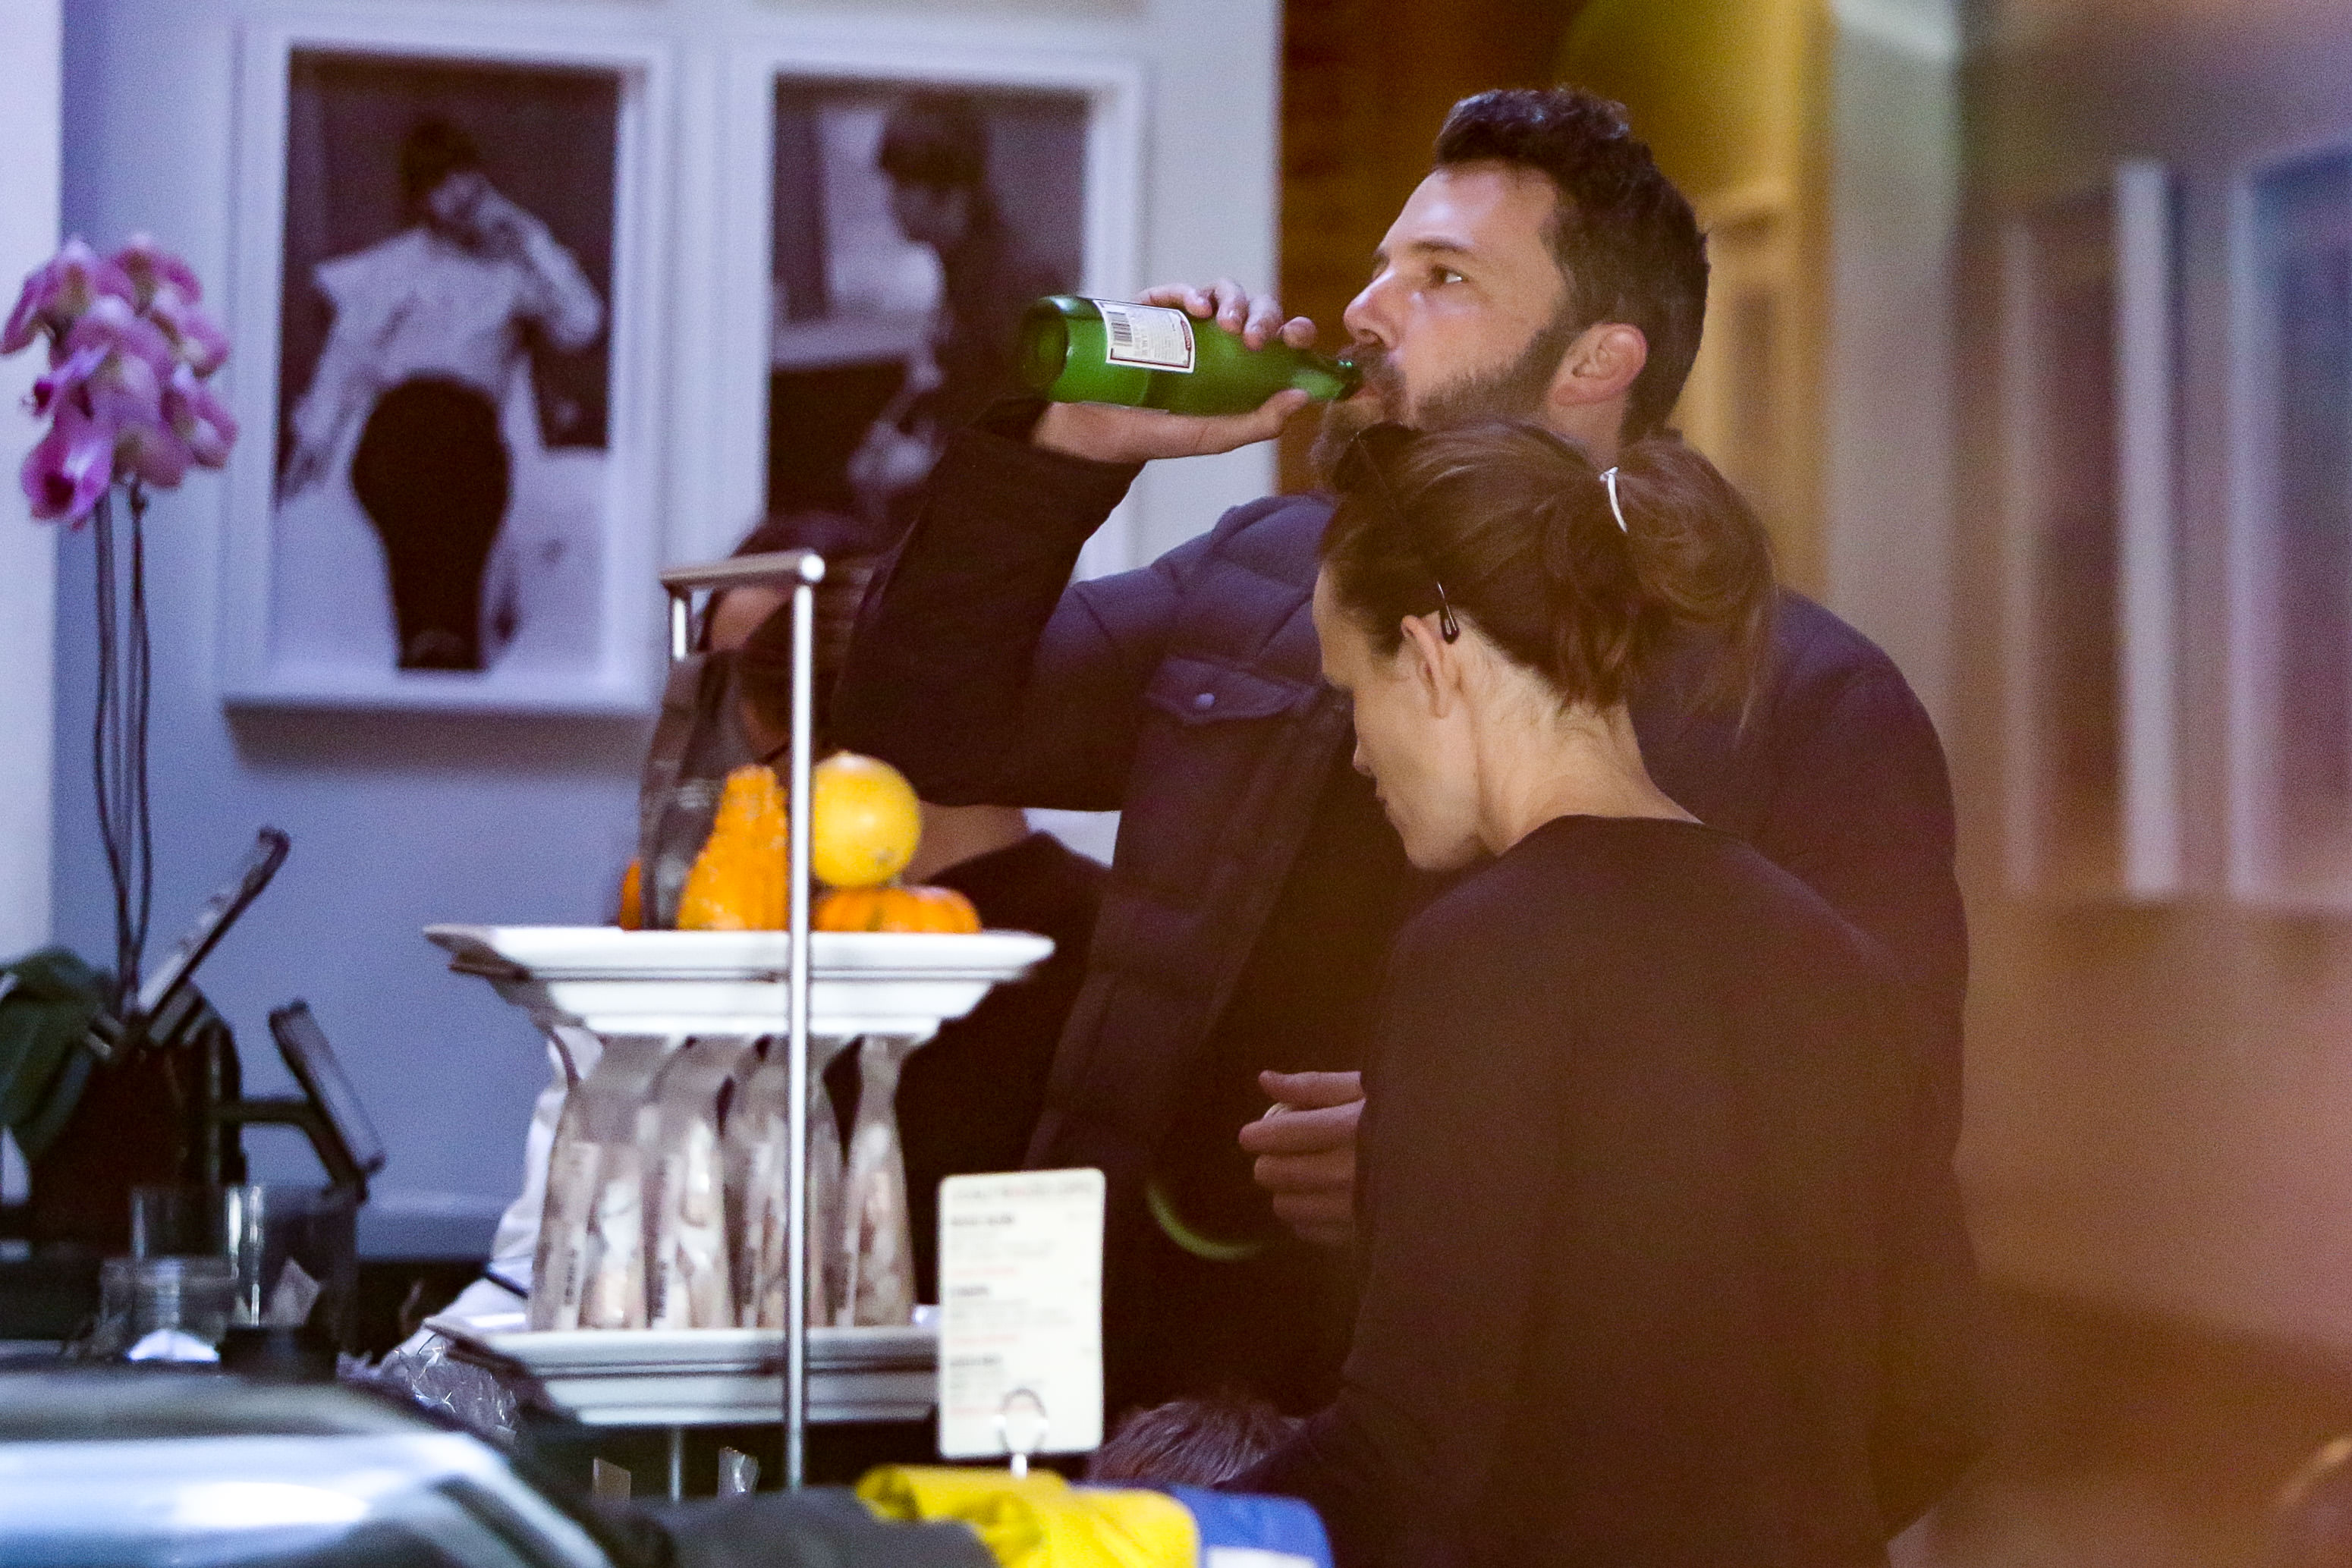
{"x":126,"y":1131}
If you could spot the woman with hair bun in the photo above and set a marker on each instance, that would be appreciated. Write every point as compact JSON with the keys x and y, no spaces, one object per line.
{"x":1639,"y":1102}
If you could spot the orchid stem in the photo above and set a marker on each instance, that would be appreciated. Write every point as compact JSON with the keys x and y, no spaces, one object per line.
{"x":118,"y":739}
{"x":141,"y":693}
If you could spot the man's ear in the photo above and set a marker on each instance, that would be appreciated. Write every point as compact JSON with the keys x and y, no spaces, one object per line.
{"x":1436,"y":667}
{"x":1601,"y":366}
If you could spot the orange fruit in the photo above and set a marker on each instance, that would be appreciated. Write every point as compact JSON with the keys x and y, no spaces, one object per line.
{"x":895,"y":909}
{"x":632,"y":916}
{"x":864,"y":822}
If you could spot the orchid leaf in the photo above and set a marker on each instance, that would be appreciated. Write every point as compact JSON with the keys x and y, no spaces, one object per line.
{"x":44,"y":1016}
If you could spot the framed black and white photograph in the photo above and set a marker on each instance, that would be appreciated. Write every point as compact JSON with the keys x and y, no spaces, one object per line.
{"x":913,"y":225}
{"x":451,"y":251}
{"x":2290,"y":532}
{"x":2092,"y":791}
{"x":915,"y":203}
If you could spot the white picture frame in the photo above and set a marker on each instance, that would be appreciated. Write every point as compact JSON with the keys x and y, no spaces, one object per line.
{"x":2092,"y":791}
{"x":894,"y":58}
{"x":606,"y":659}
{"x":2289,"y":669}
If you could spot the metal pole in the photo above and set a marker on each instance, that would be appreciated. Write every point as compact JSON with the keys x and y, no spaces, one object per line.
{"x":803,"y":569}
{"x":811,"y":573}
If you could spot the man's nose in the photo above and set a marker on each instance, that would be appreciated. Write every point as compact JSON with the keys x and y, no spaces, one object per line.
{"x":1366,"y":316}
{"x":1357,"y":756}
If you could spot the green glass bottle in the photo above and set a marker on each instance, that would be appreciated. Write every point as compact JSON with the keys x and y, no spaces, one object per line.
{"x":1148,"y":356}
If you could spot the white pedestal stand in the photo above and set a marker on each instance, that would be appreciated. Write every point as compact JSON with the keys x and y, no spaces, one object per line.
{"x":679,"y":983}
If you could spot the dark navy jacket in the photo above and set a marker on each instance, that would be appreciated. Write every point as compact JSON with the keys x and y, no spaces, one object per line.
{"x":1188,"y":695}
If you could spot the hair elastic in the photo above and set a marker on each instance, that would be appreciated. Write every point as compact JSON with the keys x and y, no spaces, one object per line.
{"x":1609,"y":481}
{"x":1447,"y":627}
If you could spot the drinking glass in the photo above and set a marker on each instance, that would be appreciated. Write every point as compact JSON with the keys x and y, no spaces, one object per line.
{"x":257,"y":1231}
{"x":137,"y":1296}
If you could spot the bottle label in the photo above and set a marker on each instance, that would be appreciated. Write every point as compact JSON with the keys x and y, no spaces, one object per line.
{"x":1150,"y":336}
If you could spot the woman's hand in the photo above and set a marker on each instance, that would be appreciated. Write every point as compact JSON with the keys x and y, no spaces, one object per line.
{"x":1306,"y":1152}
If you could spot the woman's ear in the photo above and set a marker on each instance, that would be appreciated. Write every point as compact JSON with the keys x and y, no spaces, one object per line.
{"x":1435,"y":663}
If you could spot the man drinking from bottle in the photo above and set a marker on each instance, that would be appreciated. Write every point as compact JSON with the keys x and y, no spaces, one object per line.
{"x":1545,"y":269}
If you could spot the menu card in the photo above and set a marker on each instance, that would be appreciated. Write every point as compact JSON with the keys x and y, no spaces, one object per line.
{"x":1021,"y":1313}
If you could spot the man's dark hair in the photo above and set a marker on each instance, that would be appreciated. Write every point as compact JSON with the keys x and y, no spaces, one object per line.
{"x":936,"y":139}
{"x":433,"y":151}
{"x":1626,"y":239}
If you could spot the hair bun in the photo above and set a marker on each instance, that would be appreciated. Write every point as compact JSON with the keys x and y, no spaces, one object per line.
{"x":1581,"y":540}
{"x":1517,"y":522}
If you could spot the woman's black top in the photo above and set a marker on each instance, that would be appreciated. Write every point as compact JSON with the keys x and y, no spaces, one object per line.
{"x":1638,"y":1107}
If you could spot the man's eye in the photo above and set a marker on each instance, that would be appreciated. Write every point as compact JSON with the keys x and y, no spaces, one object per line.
{"x":1447,"y":275}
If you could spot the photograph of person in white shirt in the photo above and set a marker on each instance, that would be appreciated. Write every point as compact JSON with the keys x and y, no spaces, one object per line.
{"x":427,"y":520}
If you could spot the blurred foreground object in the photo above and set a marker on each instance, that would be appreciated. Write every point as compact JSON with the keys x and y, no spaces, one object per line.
{"x":135,"y":1465}
{"x":2311,"y":1521}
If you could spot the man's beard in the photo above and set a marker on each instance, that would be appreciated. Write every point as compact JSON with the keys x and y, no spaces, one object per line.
{"x":1515,"y":391}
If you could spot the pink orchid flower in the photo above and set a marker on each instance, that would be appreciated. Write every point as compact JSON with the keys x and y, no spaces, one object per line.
{"x":100,"y":382}
{"x":194,"y":336}
{"x":57,"y":295}
{"x":105,"y":388}
{"x":65,"y":380}
{"x":149,"y":450}
{"x":200,"y":421}
{"x":128,"y":351}
{"x":112,"y":324}
{"x":67,"y":474}
{"x":151,"y":269}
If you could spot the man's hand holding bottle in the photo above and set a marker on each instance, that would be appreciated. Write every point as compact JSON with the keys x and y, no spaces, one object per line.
{"x":1105,"y":432}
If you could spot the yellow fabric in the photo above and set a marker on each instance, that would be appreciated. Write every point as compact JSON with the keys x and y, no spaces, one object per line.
{"x":1041,"y":1521}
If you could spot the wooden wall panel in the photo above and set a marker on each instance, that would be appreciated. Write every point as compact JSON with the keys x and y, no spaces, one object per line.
{"x":1366,"y":84}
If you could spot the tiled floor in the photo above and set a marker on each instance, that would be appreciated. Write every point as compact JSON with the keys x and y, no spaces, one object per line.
{"x":2123,"y":1443}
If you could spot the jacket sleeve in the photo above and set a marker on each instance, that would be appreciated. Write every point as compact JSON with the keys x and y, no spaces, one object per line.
{"x":974,"y":669}
{"x":1862,"y":814}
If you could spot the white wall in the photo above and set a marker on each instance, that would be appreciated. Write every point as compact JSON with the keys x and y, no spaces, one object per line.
{"x":404,"y":820}
{"x":29,"y":135}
